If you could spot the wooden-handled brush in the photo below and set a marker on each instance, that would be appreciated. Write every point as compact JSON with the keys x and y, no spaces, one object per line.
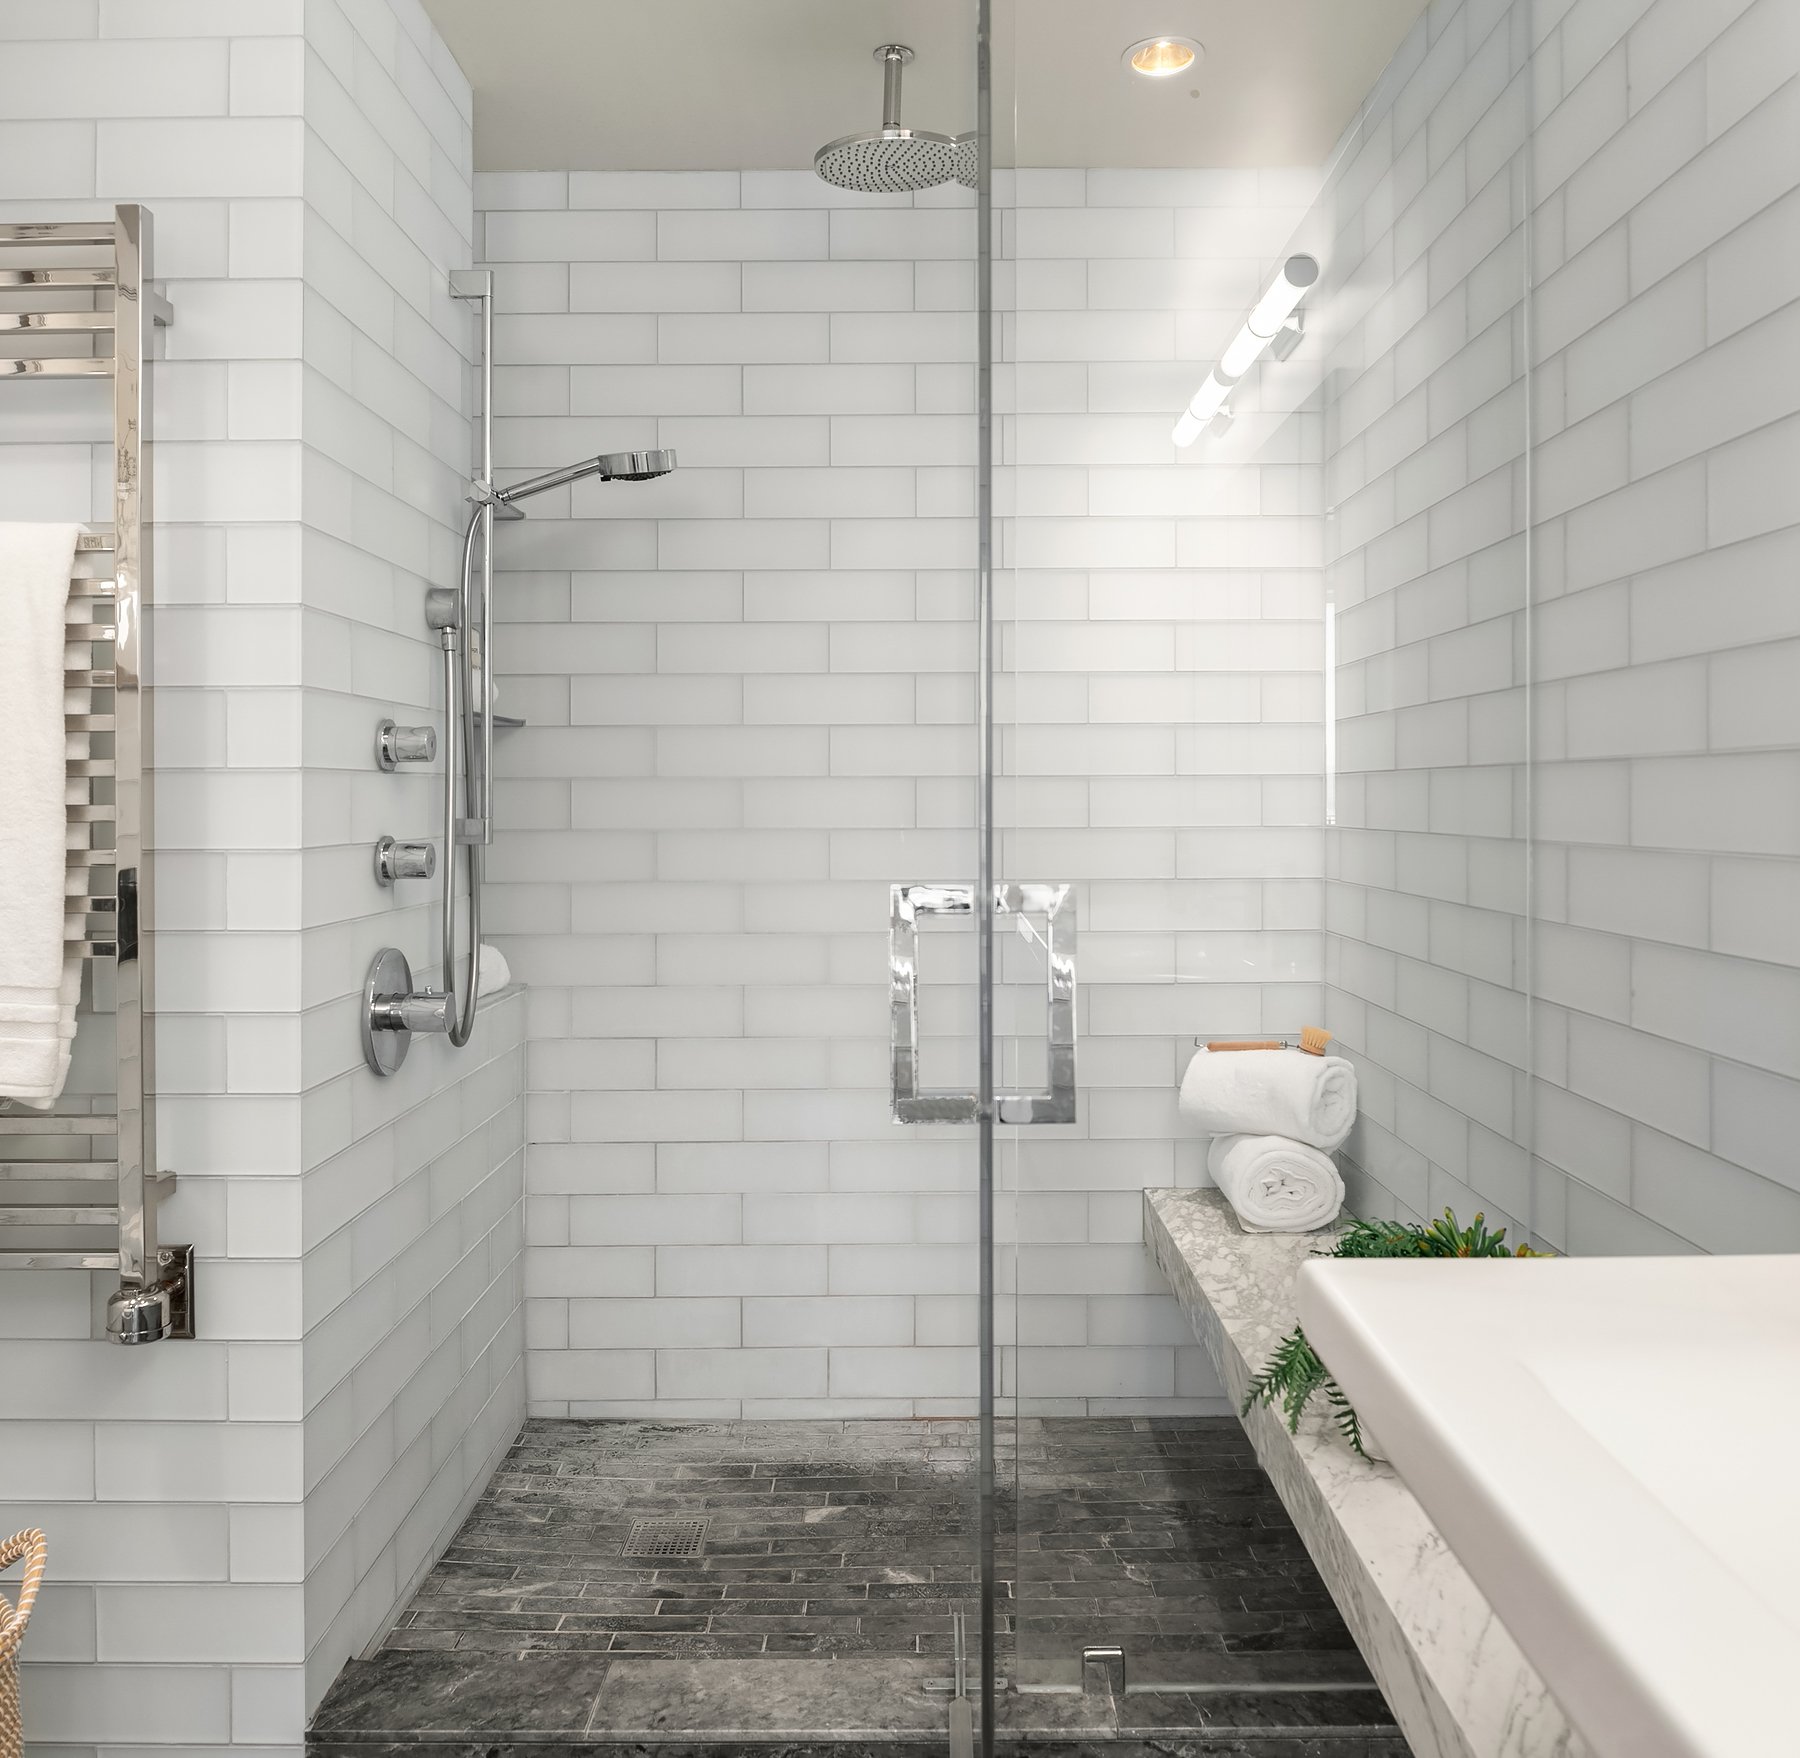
{"x":1312,"y":1040}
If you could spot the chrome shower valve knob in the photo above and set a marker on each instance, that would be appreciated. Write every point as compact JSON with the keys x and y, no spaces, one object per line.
{"x":395,"y":745}
{"x":393,"y":1010}
{"x":427,"y":1011}
{"x":404,"y":860}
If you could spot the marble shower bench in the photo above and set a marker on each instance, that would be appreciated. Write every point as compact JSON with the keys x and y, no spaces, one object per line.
{"x":1453,"y":1676}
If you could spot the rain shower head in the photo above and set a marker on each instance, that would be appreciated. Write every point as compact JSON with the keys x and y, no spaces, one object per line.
{"x":609,"y":467}
{"x":890,"y":160}
{"x":968,"y":159}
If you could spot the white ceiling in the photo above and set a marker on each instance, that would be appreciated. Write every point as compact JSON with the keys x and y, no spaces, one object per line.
{"x":761,"y":84}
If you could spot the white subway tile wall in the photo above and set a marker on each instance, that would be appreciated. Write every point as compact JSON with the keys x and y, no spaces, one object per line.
{"x":1598,"y":1042}
{"x":752,"y":702}
{"x":1426,"y":493}
{"x":1665,"y":669}
{"x":230,"y":1518}
{"x":411,"y":1215}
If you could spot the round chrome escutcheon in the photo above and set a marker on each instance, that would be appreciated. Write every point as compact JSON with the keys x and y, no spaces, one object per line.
{"x":390,"y":980}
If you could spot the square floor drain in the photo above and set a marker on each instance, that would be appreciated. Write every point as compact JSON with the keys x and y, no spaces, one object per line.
{"x":666,"y":1538}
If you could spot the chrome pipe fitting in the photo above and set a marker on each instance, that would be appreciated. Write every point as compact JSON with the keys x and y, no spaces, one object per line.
{"x":147,"y":1312}
{"x":443,"y":608}
{"x":404,"y":860}
{"x":395,"y":745}
{"x":138,"y":1315}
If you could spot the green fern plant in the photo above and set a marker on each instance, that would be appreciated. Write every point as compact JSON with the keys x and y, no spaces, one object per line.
{"x":1293,"y":1375}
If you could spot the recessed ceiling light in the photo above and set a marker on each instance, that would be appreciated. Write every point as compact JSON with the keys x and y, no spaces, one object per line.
{"x":1159,"y":57}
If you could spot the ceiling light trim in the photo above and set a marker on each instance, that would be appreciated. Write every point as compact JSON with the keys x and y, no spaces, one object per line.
{"x":1162,"y":57}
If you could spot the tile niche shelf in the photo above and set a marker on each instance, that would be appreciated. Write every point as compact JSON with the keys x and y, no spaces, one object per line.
{"x":1452,"y":1674}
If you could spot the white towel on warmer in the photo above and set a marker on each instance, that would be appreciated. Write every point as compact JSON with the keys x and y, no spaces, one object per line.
{"x":1270,"y":1092}
{"x":1275,"y":1185}
{"x":39,"y":984}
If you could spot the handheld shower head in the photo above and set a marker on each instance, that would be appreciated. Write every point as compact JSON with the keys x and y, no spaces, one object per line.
{"x":608,"y":466}
{"x":634,"y":466}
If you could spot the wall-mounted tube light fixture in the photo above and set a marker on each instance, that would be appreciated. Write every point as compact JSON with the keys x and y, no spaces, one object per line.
{"x":1261,"y":328}
{"x":1196,"y":417}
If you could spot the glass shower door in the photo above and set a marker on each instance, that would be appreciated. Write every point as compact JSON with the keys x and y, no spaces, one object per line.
{"x":1018,"y":945}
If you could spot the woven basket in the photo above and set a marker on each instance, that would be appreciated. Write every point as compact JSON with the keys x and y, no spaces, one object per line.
{"x":27,"y":1546}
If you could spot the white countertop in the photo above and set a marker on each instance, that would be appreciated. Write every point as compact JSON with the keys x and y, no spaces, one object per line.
{"x":1606,"y":1443}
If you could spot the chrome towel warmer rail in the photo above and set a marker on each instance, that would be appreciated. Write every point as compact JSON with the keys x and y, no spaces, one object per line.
{"x":64,"y":270}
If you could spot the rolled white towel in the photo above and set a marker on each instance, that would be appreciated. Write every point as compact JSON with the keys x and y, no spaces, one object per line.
{"x":1310,"y":1099}
{"x":1275,"y":1185}
{"x":495,"y":972}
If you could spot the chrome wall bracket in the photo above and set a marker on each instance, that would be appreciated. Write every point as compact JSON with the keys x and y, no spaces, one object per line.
{"x":1289,"y":337}
{"x":392,"y":1011}
{"x":1056,"y":1102}
{"x":484,"y":494}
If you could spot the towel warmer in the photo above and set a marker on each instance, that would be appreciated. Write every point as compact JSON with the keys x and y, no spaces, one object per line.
{"x":71,"y":266}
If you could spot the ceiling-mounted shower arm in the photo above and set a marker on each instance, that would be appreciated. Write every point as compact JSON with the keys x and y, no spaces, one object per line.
{"x":893,"y":57}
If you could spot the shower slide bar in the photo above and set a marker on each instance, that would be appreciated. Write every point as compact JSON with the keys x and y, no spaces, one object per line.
{"x":462,"y":618}
{"x":110,"y":911}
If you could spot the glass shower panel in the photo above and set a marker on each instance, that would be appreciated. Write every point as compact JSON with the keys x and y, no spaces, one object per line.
{"x":1265,"y":715}
{"x":915,"y":452}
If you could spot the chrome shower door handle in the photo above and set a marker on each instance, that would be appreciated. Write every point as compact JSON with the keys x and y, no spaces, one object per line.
{"x":906,"y":904}
{"x":1055,"y":1103}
